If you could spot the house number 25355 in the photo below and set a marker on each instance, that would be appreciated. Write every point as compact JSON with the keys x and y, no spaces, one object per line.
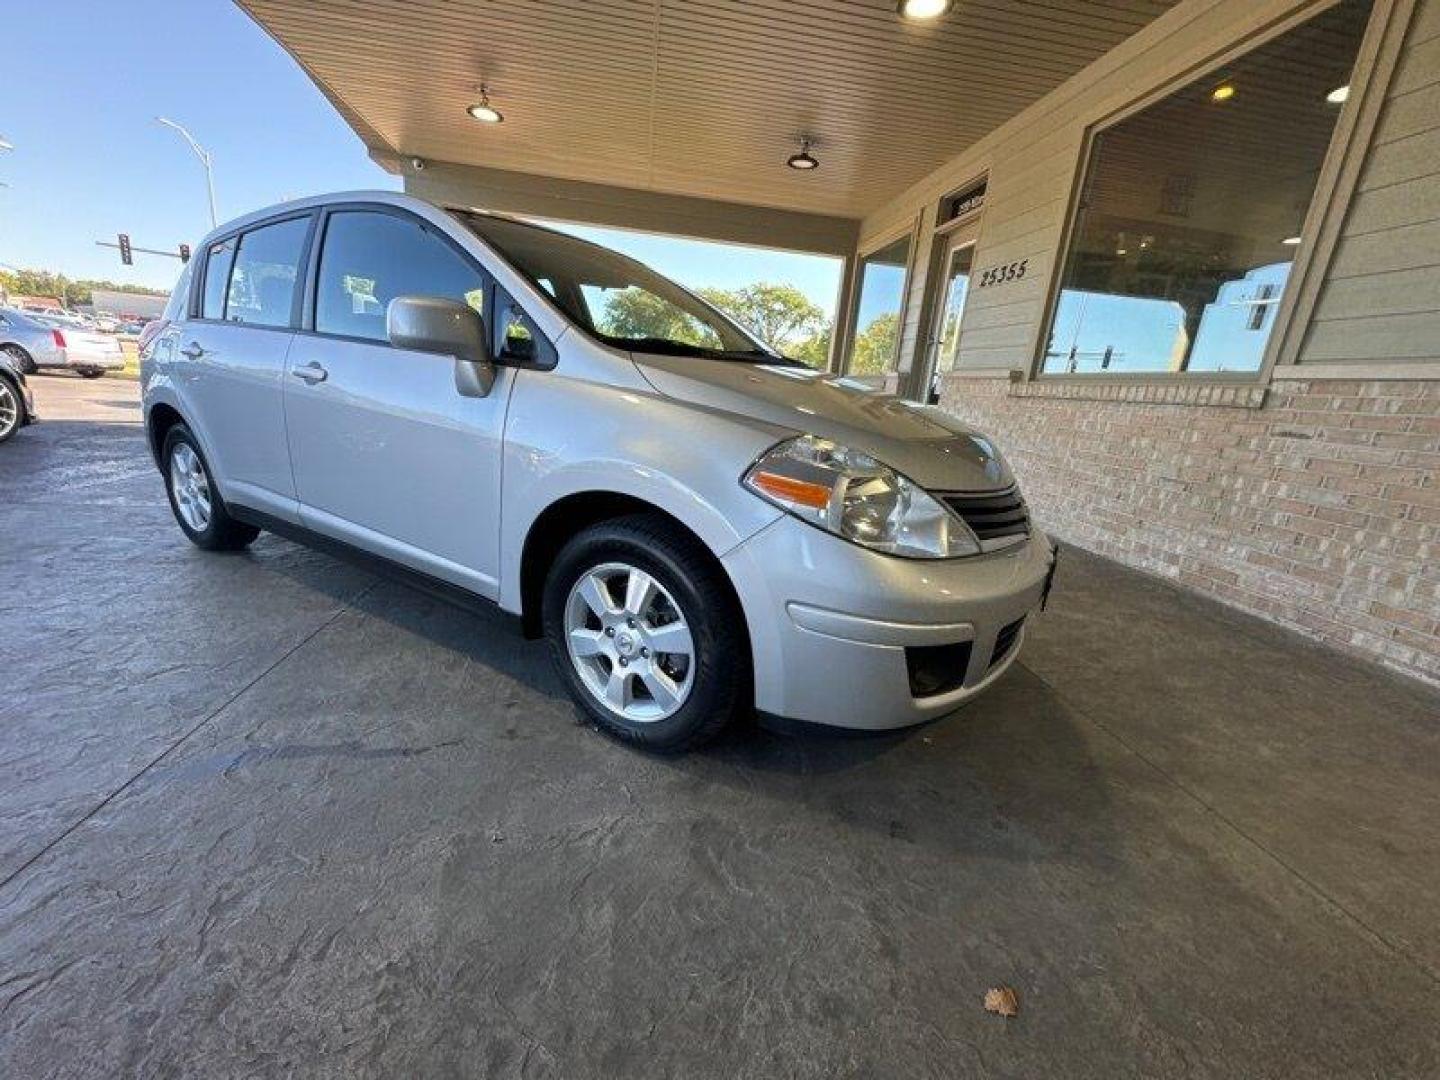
{"x":998,"y":275}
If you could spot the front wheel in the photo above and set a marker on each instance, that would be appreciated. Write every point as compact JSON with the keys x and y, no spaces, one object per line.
{"x":91,"y":373}
{"x":196,"y":504}
{"x":646,"y":634}
{"x":12,"y":410}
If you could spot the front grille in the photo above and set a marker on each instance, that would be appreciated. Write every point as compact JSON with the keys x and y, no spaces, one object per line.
{"x":1005,"y":641}
{"x":937,"y":669}
{"x":993,"y":516}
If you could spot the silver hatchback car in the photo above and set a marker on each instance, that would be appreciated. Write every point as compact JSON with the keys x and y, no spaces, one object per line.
{"x":500,"y":411}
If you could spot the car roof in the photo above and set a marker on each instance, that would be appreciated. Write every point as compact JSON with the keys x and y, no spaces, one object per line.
{"x":312,"y":202}
{"x":386,"y":198}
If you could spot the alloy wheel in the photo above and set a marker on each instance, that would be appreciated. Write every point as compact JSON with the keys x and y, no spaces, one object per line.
{"x":190,"y":487}
{"x":630,"y":642}
{"x":9,"y":409}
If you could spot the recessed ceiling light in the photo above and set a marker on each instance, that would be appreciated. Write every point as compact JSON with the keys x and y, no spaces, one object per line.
{"x":1339,"y":95}
{"x":1290,"y":241}
{"x":922,"y":9}
{"x":804,"y":160}
{"x":1223,"y":92}
{"x":483,"y":111}
{"x":1122,"y":251}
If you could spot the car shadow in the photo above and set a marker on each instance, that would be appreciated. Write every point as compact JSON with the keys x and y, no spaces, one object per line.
{"x":1010,"y":775}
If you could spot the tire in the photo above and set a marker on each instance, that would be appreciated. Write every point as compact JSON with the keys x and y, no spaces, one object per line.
{"x":91,"y":373}
{"x":21,"y":357}
{"x":12,"y":409}
{"x":190,"y":493}
{"x":713,"y":680}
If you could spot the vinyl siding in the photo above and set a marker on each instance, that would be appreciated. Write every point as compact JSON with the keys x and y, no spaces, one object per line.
{"x":1381,"y":298}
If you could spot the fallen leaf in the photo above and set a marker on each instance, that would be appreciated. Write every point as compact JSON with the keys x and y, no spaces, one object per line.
{"x":1002,"y":1000}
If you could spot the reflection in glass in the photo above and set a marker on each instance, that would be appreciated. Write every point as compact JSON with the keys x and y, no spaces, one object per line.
{"x":262,"y":281}
{"x":1192,"y":210}
{"x":957,"y":287}
{"x":877,"y":309}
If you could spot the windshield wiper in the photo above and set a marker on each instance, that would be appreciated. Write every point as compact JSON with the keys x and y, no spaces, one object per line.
{"x":671,"y":347}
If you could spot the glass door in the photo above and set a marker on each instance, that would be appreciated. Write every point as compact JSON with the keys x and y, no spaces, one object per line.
{"x":954,"y":284}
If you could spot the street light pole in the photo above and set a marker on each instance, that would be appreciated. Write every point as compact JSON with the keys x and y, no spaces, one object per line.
{"x":204,"y":156}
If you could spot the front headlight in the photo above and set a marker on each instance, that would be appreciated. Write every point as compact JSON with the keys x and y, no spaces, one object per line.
{"x":856,"y":497}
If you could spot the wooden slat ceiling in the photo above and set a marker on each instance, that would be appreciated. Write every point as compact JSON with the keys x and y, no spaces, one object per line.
{"x":695,"y":97}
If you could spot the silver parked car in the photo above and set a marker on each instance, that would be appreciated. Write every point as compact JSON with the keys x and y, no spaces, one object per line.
{"x":699,"y":526}
{"x":36,"y":341}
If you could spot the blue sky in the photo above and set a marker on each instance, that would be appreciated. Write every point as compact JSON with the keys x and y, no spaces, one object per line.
{"x":84,"y":82}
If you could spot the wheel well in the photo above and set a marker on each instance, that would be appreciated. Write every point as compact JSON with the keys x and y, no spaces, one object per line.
{"x":158,"y":423}
{"x":562,"y":520}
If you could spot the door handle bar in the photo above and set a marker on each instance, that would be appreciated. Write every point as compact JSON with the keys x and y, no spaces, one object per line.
{"x":311,"y":373}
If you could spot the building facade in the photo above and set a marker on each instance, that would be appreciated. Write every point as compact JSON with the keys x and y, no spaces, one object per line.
{"x":1295,"y":475}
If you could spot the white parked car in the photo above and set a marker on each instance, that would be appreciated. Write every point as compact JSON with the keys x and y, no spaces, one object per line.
{"x":698,"y":526}
{"x":39,"y":341}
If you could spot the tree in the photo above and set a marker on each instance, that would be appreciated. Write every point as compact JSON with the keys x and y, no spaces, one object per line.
{"x":638,"y":313}
{"x":814,"y":351}
{"x":875,"y":345}
{"x":780,"y":315}
{"x":46,"y":283}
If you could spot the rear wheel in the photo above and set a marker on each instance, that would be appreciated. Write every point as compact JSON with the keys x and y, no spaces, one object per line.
{"x":646,"y":634}
{"x":197,"y":506}
{"x":21,"y":357}
{"x":12,"y":409}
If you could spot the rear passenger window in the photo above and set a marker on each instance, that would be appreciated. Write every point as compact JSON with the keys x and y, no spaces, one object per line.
{"x":177,"y":305}
{"x":217,"y":279}
{"x":369,"y":258}
{"x":262,"y":283}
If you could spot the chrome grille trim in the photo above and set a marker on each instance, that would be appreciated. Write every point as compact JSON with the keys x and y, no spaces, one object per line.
{"x":997,"y":518}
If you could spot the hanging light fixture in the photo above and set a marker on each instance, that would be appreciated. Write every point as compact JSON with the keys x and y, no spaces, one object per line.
{"x":483,"y":111}
{"x":920,"y":10}
{"x":804,"y":160}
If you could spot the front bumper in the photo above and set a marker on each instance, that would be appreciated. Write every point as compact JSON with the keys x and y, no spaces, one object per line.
{"x":831,"y":623}
{"x":78,"y":361}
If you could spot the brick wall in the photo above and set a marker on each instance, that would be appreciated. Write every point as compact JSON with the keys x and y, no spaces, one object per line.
{"x":1319,"y":510}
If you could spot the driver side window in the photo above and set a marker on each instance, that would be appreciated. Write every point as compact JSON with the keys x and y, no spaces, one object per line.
{"x":370,"y":257}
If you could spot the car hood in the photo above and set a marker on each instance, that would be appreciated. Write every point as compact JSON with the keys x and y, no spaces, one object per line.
{"x":932,"y":449}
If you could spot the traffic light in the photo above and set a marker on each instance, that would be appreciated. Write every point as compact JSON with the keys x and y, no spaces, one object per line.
{"x":184,"y":253}
{"x":125,"y":250}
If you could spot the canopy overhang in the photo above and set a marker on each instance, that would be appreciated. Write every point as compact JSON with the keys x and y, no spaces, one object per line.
{"x":679,"y":115}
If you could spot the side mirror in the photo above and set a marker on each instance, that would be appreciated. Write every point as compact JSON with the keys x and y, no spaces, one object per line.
{"x":431,"y":324}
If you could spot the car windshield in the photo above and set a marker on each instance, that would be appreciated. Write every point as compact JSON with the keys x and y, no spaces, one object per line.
{"x":619,"y":300}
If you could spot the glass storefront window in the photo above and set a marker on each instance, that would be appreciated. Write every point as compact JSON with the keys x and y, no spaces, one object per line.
{"x":1192,"y":210}
{"x":878,"y":303}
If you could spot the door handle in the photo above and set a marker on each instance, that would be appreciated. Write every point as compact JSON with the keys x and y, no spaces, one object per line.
{"x":193,"y":351}
{"x":312,"y":373}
